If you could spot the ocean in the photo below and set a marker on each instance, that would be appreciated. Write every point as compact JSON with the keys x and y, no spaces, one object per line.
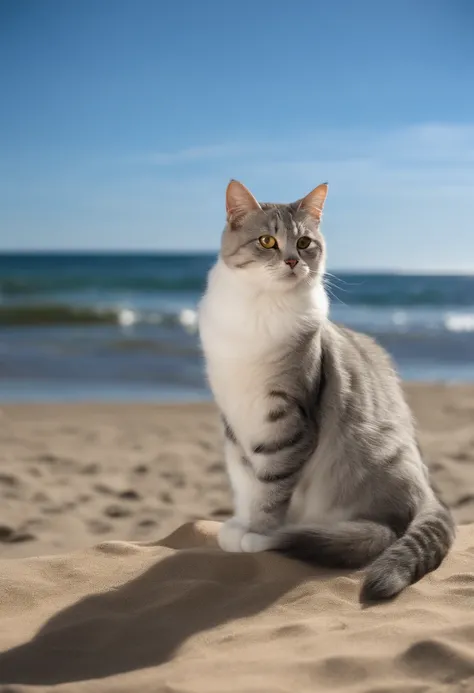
{"x":123,"y":326}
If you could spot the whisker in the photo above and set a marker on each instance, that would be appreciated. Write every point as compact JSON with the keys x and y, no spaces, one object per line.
{"x":335,"y":297}
{"x":327,"y":282}
{"x":340,"y":279}
{"x":328,"y":286}
{"x":343,"y":281}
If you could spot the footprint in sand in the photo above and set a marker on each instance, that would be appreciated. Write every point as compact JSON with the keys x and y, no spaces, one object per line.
{"x":165,"y":497}
{"x":141,"y":469}
{"x":9,"y":535}
{"x":130,"y":494}
{"x":117,"y":511}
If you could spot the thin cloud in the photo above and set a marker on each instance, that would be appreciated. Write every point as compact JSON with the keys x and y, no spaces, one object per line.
{"x":417,"y":145}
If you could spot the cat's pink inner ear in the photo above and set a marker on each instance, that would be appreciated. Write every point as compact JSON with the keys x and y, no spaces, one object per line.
{"x":239,"y":202}
{"x":313,"y":203}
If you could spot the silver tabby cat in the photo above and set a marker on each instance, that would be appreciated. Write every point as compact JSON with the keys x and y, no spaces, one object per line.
{"x":320,"y":445}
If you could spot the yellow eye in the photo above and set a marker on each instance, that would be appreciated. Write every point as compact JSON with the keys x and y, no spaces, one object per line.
{"x":303,"y":242}
{"x":267,"y":242}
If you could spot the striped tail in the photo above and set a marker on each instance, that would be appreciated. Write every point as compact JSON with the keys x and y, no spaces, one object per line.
{"x":393,"y":563}
{"x":418,"y":552}
{"x":346,"y":545}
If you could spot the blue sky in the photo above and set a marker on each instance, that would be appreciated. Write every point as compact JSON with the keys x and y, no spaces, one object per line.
{"x":122,"y":122}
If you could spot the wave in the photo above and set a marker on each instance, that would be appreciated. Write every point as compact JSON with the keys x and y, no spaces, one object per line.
{"x":459,"y":322}
{"x":403,"y":321}
{"x":58,"y":314}
{"x":407,"y":321}
{"x":391,"y":321}
{"x":406,"y":299}
{"x":14,"y":287}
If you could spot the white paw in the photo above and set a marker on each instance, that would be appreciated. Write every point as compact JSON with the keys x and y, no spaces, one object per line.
{"x":253,"y":542}
{"x":230,"y":535}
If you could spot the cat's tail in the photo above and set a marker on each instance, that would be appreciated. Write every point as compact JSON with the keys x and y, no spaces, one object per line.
{"x":418,"y":552}
{"x":393,"y":563}
{"x":346,"y":545}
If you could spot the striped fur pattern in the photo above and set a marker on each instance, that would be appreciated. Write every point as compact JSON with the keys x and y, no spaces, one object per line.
{"x":320,"y":444}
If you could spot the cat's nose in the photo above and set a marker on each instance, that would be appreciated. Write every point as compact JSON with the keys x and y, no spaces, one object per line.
{"x":292,"y":262}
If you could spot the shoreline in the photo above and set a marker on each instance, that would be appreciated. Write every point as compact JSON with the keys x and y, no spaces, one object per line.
{"x":58,"y":393}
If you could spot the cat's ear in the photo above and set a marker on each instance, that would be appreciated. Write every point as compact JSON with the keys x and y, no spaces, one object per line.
{"x":313,"y":203}
{"x":239,"y":202}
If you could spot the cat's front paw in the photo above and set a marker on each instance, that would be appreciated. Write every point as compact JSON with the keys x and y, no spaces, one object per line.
{"x":230,"y":535}
{"x":254,"y":543}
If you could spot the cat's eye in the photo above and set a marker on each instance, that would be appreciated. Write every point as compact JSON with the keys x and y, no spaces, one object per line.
{"x":267,"y":242}
{"x":303,"y":242}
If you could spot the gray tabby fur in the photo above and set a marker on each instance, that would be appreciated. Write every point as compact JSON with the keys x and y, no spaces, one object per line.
{"x":321,"y":446}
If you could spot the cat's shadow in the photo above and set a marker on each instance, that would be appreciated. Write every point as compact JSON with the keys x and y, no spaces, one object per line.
{"x":143,"y":622}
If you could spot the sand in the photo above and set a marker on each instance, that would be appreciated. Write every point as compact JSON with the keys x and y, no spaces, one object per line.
{"x":111,"y":580}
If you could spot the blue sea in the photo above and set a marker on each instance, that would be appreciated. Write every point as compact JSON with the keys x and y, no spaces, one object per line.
{"x":123,"y":326}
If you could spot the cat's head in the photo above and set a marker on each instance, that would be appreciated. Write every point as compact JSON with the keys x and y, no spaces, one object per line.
{"x":274,"y":245}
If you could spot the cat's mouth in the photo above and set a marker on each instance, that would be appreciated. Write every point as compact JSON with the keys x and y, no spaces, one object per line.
{"x":288,"y":277}
{"x":296,"y":271}
{"x":291,"y":275}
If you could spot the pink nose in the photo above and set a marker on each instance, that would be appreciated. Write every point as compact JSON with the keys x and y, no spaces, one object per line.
{"x":292,"y":262}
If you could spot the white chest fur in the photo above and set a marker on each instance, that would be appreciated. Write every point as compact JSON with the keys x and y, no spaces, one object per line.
{"x":244,"y":332}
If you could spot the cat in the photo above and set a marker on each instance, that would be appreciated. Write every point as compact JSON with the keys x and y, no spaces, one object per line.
{"x":320,"y":445}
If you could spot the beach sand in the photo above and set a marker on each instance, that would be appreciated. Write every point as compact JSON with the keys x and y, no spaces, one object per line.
{"x":153,"y":612}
